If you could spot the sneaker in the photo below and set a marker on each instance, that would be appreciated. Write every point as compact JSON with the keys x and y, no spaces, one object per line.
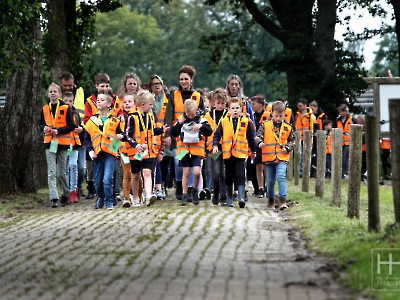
{"x":235,"y":196}
{"x":215,"y":200}
{"x":190,"y":194}
{"x":159,"y":195}
{"x":195,"y":196}
{"x":261,"y":193}
{"x":54,"y":203}
{"x":202,"y":195}
{"x":208,"y":193}
{"x":135,"y":201}
{"x":115,"y":201}
{"x":64,"y":201}
{"x":99,"y":204}
{"x":242,"y":204}
{"x":126,"y":203}
{"x":111,"y":207}
{"x":184,"y":200}
{"x":150,"y":200}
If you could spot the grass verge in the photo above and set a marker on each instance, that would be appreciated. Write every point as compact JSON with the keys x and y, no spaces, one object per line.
{"x":330,"y":232}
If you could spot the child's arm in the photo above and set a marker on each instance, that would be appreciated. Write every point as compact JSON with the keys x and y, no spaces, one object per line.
{"x":290,"y":142}
{"x":206,"y":129}
{"x":87,"y":114}
{"x":250,"y":139}
{"x":259,"y":139}
{"x":89,"y":145}
{"x":176,"y":130}
{"x":217,"y":137}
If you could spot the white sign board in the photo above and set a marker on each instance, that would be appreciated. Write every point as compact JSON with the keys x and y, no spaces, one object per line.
{"x":386,"y":92}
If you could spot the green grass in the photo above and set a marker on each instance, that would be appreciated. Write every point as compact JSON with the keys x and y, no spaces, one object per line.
{"x":330,"y":232}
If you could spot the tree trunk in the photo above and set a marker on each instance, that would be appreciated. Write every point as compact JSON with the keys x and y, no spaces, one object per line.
{"x":57,"y":39}
{"x":396,"y":8}
{"x":22,"y":162}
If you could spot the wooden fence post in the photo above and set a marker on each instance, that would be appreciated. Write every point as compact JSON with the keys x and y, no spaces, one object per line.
{"x":297,"y":157}
{"x":336,"y":166}
{"x":321,"y":163}
{"x":289,"y":170}
{"x":353,"y":196}
{"x":372,"y":144}
{"x":307,"y":147}
{"x":394,"y":113}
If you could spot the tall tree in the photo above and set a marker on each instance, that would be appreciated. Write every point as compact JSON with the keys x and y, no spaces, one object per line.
{"x":22,"y":159}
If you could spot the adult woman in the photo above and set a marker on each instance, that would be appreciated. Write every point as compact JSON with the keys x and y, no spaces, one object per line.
{"x":175,"y":110}
{"x":156,"y":86}
{"x":131,"y":83}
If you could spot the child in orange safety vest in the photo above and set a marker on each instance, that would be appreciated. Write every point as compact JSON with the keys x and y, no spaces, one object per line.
{"x":57,"y":123}
{"x":327,"y":126}
{"x":102,"y":129}
{"x":191,"y":130}
{"x":275,"y":138}
{"x":236,"y":136}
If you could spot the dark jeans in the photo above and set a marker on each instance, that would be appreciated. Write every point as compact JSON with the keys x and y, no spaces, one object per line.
{"x":234,"y":169}
{"x":218,"y":176}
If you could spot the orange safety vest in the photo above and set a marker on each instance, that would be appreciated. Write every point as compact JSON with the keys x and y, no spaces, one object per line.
{"x":101,"y":140}
{"x":214,"y":126}
{"x":346,"y":129}
{"x":329,"y":143}
{"x":178,"y":104}
{"x":319,"y":120}
{"x":122,"y":125}
{"x":160,"y":120}
{"x":60,"y":120}
{"x":272,"y":151}
{"x":77,"y":141}
{"x":385,"y":144}
{"x":288,"y":113}
{"x":304,"y":123}
{"x":145,"y":136}
{"x":117,"y":105}
{"x":234,"y":143}
{"x":265,"y":116}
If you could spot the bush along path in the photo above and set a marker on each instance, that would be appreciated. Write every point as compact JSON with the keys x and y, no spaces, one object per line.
{"x":162,"y":252}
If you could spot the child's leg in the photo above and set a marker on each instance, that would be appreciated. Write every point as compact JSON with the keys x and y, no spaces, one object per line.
{"x":281,"y":178}
{"x":61,"y":175}
{"x":98,"y":175}
{"x":271,"y":178}
{"x":185,"y":179}
{"x":51,"y":174}
{"x":241,"y":181}
{"x":229,"y":180}
{"x":108,"y":180}
{"x":126,"y":181}
{"x":81,"y":166}
{"x":73,"y":170}
{"x":260,"y":176}
{"x":147,"y":180}
{"x":135,"y":184}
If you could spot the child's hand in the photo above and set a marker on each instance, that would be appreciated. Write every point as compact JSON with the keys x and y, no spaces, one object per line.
{"x":140,"y":147}
{"x":167,"y":141}
{"x":92,"y":154}
{"x":119,"y":137}
{"x":78,"y":130}
{"x":165,"y":128}
{"x":182,"y":119}
{"x":253,"y":155}
{"x":47,"y":129}
{"x":54,"y":132}
{"x":197,"y":127}
{"x":260,"y":145}
{"x":284,"y":150}
{"x":215,"y":150}
{"x":159,"y":157}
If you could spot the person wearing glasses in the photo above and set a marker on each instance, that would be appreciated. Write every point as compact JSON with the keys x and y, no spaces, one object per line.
{"x":164,"y":157}
{"x":175,"y":110}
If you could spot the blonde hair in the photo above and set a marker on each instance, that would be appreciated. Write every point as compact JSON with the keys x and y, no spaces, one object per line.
{"x":108,"y":97}
{"x":56,"y":86}
{"x":144,"y":97}
{"x":190,"y":106}
{"x":278,"y":106}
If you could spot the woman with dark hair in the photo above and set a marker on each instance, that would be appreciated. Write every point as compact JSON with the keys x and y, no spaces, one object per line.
{"x":175,"y":110}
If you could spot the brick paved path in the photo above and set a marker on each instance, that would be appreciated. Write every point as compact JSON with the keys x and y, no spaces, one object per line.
{"x":162,"y":252}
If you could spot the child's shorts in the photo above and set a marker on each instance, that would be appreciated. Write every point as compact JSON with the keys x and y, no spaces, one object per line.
{"x":190,"y":161}
{"x":258,"y":159}
{"x":138,"y":165}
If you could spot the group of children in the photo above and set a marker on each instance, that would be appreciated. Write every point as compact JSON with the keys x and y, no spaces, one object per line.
{"x":133,"y":131}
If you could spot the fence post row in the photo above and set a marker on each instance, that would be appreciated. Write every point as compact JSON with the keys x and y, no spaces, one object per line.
{"x":394,"y":113}
{"x":297,"y":157}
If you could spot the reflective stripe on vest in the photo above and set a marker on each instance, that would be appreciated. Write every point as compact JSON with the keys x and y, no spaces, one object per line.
{"x":178,"y":104}
{"x":272,"y":150}
{"x":231,"y":146}
{"x":59,"y":121}
{"x":346,"y":129}
{"x":101,"y":140}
